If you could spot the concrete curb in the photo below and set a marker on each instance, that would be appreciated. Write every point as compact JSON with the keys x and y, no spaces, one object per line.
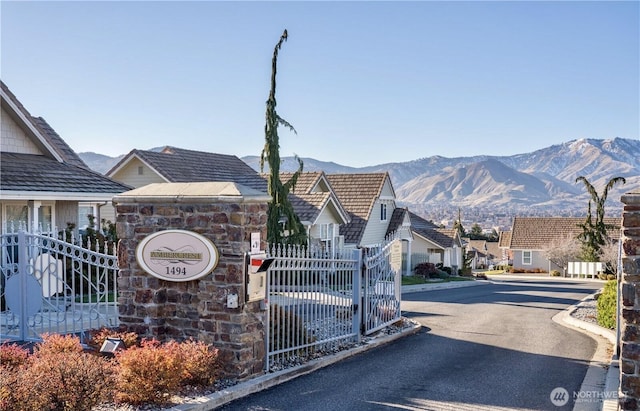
{"x":603,"y":373}
{"x":442,"y":286}
{"x":222,"y":397}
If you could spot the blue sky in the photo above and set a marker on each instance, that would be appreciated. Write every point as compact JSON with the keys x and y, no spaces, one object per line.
{"x":363,"y":83}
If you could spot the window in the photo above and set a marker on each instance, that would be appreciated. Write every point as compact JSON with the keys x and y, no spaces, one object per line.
{"x":326,"y":231}
{"x":526,"y":258}
{"x":45,"y":219}
{"x":84,"y":211}
{"x":140,"y":170}
{"x":383,"y":212}
{"x":16,"y":217}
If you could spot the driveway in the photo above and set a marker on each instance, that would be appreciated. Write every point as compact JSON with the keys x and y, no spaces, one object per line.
{"x":492,"y":347}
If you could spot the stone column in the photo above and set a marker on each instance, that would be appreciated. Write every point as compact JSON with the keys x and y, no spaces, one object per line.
{"x":630,"y":304}
{"x":224,"y":213}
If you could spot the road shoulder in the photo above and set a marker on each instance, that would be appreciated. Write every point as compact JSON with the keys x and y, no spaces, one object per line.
{"x":599,"y":388}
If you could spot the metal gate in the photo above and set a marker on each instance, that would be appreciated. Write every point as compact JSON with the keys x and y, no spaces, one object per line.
{"x":49,"y":285}
{"x":382,"y":284}
{"x":314,"y":304}
{"x":321,"y":303}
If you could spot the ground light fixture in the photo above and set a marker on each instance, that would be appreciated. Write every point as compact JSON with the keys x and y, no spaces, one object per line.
{"x":111,"y":345}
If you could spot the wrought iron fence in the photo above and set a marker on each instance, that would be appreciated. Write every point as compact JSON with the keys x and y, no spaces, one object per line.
{"x":49,"y":285}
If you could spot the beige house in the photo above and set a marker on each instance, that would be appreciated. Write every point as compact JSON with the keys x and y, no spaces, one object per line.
{"x":434,"y":244}
{"x":44,"y":185}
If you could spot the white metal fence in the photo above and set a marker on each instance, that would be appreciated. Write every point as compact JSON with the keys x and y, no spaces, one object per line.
{"x":49,"y":285}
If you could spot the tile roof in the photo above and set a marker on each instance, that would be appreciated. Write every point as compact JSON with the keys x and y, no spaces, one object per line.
{"x":536,"y":233}
{"x":62,"y":148}
{"x":307,"y":200}
{"x":397,"y":217}
{"x":443,"y":237}
{"x":357,"y":194}
{"x":178,"y":165}
{"x":504,"y":240}
{"x":35,"y":173}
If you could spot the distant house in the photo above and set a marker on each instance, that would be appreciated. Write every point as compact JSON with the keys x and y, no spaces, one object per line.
{"x":434,"y":244}
{"x":44,"y":185}
{"x":370,"y":200}
{"x":506,"y":256}
{"x":483,"y":253}
{"x":530,"y":236}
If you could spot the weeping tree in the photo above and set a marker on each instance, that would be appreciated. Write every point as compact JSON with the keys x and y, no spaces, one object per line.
{"x":594,"y":232}
{"x":283,"y":225}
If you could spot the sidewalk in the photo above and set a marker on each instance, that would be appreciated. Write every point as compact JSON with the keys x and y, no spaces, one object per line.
{"x":602,"y":378}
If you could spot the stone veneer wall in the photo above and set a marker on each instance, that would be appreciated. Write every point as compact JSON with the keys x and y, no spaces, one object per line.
{"x":179,"y":310}
{"x":630,"y":305}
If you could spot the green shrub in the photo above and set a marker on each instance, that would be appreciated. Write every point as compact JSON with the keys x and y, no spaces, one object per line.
{"x":555,"y":273}
{"x":606,"y":305}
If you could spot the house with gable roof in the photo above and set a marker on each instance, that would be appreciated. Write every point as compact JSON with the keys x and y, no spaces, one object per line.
{"x":435,"y":245}
{"x":312,"y":198}
{"x":318,"y":208}
{"x":370,"y":200}
{"x":483,"y":253}
{"x":530,"y":236}
{"x":177,"y":165}
{"x":44,"y":185}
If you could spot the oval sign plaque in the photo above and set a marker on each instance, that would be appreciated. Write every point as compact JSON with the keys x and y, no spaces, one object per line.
{"x":177,"y":255}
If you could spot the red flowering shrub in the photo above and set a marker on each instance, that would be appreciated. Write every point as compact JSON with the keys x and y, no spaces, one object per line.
{"x":150,"y":373}
{"x":57,"y":343}
{"x":59,"y":376}
{"x":12,"y":355}
{"x":200,"y":363}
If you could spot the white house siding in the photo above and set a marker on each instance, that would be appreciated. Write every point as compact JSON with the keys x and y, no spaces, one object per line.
{"x":420,"y":246}
{"x":129,"y":174}
{"x":13,"y":139}
{"x":376,"y":229}
{"x":326,"y":217}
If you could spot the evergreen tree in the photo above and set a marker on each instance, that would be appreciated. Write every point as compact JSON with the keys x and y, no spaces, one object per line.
{"x":283,"y":225}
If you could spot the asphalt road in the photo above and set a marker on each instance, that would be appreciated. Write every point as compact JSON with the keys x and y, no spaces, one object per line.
{"x":490,"y":347}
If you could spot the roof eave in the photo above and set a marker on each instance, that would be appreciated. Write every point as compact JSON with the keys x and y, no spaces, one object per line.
{"x":19,"y":115}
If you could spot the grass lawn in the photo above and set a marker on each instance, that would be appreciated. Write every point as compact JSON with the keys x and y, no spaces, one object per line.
{"x":494,"y":272}
{"x":416,"y":279}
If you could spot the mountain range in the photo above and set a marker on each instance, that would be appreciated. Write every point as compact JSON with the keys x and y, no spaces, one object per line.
{"x":539,"y":182}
